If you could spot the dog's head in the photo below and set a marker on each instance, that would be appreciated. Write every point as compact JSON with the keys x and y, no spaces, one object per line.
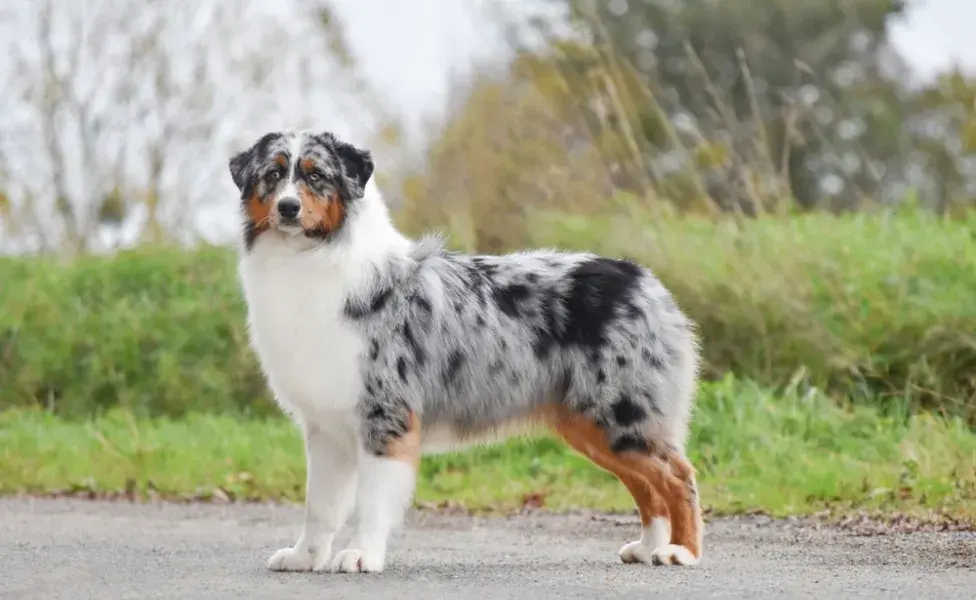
{"x":299,"y":184}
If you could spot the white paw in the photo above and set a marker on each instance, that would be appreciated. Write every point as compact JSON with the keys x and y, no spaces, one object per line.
{"x":672,"y":554}
{"x":357,"y":561}
{"x":635,"y":552}
{"x":655,"y":535}
{"x":292,"y":559}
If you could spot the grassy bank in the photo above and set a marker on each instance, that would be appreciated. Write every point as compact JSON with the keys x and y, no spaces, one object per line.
{"x":868,"y":307}
{"x":791,"y":453}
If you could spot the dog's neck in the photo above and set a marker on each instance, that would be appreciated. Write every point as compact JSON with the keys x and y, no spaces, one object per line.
{"x":369,"y":242}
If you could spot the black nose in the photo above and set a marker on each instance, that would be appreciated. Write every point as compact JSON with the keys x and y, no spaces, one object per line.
{"x":288,"y":208}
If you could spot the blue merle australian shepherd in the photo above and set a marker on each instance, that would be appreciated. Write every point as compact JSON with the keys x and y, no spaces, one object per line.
{"x":383,"y":347}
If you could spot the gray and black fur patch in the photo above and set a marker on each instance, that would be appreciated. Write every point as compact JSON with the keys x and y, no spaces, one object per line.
{"x":472,"y":342}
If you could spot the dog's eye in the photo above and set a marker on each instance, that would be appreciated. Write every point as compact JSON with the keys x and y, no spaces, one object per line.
{"x":314,"y":177}
{"x":273,"y":176}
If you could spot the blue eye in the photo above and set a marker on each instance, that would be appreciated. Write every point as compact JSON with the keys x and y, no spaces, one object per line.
{"x":314,"y":177}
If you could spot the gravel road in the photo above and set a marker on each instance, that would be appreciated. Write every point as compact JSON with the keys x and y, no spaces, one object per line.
{"x":90,"y":549}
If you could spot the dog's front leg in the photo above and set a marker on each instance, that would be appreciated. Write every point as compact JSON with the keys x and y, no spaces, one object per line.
{"x":387,"y":477}
{"x":330,"y":487}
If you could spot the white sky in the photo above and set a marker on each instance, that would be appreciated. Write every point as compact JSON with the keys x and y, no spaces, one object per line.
{"x":938,"y":34}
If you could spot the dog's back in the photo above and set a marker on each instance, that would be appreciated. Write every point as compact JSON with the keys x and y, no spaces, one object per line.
{"x":476,"y":345}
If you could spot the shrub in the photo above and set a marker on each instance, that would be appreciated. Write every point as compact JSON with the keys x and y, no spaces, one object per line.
{"x":862,"y":306}
{"x":157,"y":330}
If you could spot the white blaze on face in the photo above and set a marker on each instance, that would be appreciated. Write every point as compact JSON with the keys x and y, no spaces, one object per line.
{"x":289,"y":189}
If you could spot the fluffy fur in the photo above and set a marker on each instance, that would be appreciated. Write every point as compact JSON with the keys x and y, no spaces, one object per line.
{"x":383,"y":347}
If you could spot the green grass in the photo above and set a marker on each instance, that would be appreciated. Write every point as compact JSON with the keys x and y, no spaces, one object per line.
{"x":790,"y":453}
{"x":134,"y":374}
{"x":872,"y":308}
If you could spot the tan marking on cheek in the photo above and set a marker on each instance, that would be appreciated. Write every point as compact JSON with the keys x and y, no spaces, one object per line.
{"x":259,"y":212}
{"x":407,"y":447}
{"x":336,"y":214}
{"x":313,"y":207}
{"x":320,"y":212}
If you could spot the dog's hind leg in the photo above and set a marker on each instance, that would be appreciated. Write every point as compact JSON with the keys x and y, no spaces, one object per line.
{"x":390,"y":456}
{"x":661,"y":482}
{"x":675,"y":476}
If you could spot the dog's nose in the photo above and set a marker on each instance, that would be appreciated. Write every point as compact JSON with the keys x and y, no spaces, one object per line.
{"x":288,"y":208}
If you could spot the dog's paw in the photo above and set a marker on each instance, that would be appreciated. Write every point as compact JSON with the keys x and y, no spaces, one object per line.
{"x":357,"y":561}
{"x":635,"y":552}
{"x":672,"y":554}
{"x":656,"y":535}
{"x":296,"y":559}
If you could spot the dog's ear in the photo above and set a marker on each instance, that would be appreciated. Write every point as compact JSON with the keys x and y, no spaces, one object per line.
{"x":241,"y":170}
{"x":358,"y":167}
{"x":244,"y":165}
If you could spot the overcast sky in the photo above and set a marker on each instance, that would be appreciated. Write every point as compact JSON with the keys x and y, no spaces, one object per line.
{"x":409,"y":47}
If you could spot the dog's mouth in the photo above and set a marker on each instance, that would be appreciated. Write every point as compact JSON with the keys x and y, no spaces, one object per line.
{"x":289,"y":226}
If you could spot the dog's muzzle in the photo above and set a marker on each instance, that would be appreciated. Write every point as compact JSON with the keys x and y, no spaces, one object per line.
{"x":288,"y":210}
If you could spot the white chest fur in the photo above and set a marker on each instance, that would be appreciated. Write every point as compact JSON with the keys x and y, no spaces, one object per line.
{"x":307,"y":350}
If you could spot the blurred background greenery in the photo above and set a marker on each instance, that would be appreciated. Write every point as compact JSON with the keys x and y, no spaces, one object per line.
{"x":807,"y":199}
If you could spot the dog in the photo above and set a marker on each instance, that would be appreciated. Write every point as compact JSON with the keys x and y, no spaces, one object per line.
{"x":383,"y":348}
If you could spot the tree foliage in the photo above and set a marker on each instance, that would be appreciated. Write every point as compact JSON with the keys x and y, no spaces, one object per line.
{"x":749,"y":107}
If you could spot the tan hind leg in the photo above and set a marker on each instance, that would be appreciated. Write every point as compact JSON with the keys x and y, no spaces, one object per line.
{"x":663,"y":489}
{"x":687,"y":528}
{"x":654,"y":514}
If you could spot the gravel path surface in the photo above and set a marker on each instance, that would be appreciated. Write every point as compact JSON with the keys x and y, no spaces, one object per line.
{"x":91,"y":549}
